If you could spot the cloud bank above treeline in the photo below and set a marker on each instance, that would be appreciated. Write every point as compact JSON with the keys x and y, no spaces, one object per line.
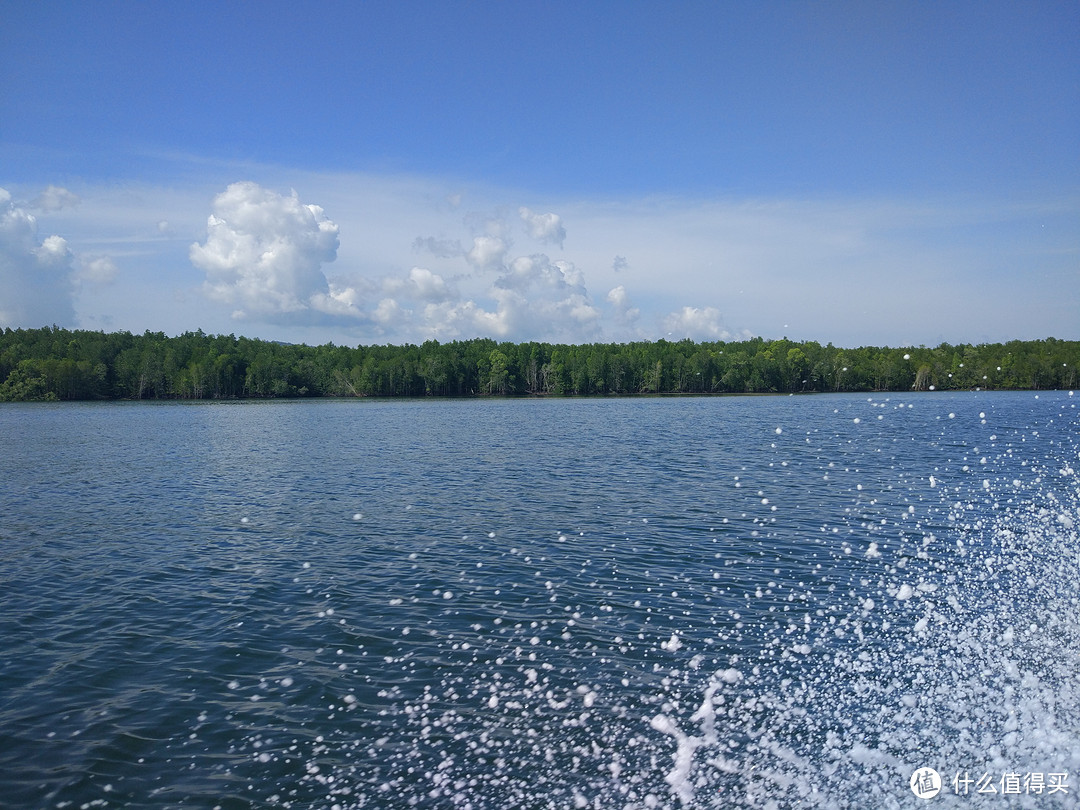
{"x":365,"y":259}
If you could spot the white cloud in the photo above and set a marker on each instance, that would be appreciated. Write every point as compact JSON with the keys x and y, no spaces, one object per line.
{"x":705,"y":323}
{"x":264,"y":252}
{"x":53,"y":252}
{"x":55,"y":198}
{"x":449,"y":321}
{"x":389,"y":312}
{"x":525,"y":271}
{"x":487,"y":252}
{"x":420,"y":285}
{"x":618,"y":298}
{"x":98,"y":270}
{"x":544,"y":227}
{"x":540,"y":299}
{"x":849,"y":271}
{"x":625,"y":313}
{"x":581,"y":310}
{"x":340,"y":300}
{"x":35,"y":277}
{"x":532,"y":299}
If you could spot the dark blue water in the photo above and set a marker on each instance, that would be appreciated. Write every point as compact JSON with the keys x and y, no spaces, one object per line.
{"x":635,"y":603}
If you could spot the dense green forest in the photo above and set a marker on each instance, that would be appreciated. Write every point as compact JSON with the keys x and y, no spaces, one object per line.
{"x":61,"y":364}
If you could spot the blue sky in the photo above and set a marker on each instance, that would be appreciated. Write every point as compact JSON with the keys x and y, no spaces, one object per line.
{"x":860,"y":173}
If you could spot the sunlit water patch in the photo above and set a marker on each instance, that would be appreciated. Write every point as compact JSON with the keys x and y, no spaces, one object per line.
{"x":762,"y":602}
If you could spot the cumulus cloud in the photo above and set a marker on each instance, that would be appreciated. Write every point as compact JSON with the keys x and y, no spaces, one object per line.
{"x":626,"y":314}
{"x":525,"y":271}
{"x":774,"y":261}
{"x":389,"y":312}
{"x":450,"y":320}
{"x":97,"y":270}
{"x":488,"y":252}
{"x":618,"y":298}
{"x":544,"y":227}
{"x":420,"y":285}
{"x":697,"y":324}
{"x":264,"y":253}
{"x":532,"y":298}
{"x":536,"y":296}
{"x":35,"y":277}
{"x":55,"y":198}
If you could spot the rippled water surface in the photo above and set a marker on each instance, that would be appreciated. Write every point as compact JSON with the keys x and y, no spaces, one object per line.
{"x":632,"y":603}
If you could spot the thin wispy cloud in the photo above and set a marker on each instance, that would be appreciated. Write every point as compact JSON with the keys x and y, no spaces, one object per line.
{"x":55,"y":198}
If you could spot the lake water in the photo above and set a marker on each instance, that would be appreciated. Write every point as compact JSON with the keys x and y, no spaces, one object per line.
{"x":629,"y":603}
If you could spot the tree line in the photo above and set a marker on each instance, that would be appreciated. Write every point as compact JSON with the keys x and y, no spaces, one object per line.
{"x":60,"y":364}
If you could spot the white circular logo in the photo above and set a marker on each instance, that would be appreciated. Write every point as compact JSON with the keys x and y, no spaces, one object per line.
{"x":925,"y":783}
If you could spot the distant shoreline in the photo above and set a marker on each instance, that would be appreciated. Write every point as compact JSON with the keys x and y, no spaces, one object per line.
{"x":53,"y":364}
